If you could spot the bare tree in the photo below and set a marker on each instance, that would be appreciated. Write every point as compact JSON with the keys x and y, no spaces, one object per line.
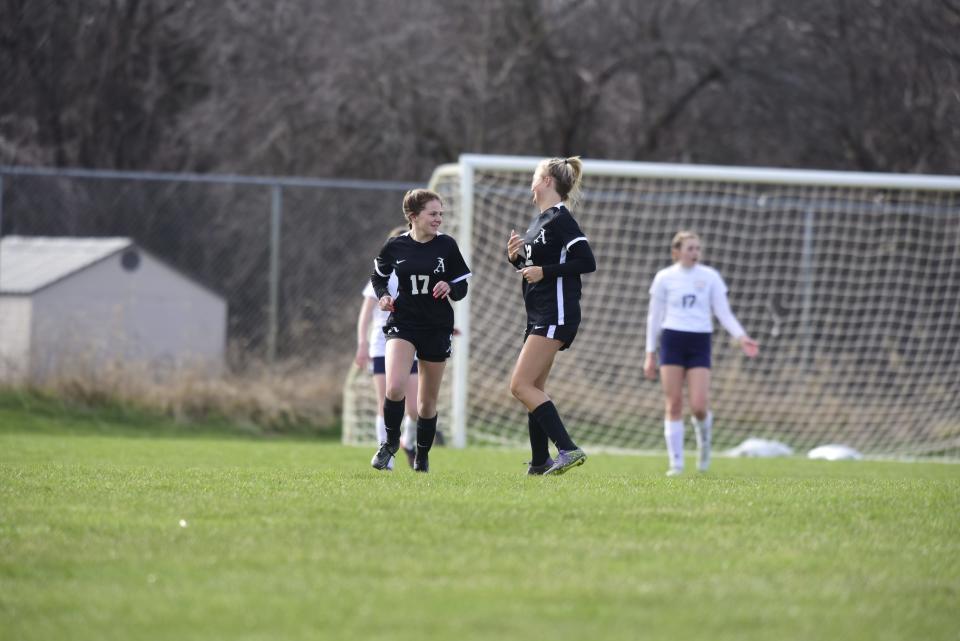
{"x":95,"y":84}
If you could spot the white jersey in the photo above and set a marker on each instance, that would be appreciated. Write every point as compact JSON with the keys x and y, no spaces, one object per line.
{"x":685,"y":299}
{"x":378,"y":342}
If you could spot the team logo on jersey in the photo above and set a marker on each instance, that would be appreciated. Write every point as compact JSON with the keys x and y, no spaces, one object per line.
{"x":699,"y":284}
{"x":440,"y":268}
{"x":541,"y":237}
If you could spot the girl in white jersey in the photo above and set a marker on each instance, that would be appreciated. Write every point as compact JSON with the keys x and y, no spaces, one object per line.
{"x":371,"y":350}
{"x":683,"y":300}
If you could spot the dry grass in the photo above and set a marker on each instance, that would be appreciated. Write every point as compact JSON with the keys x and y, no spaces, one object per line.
{"x":290,"y":397}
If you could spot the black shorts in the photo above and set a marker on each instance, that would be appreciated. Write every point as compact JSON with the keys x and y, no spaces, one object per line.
{"x":378,"y":365}
{"x":686,"y":349}
{"x":563,"y":333}
{"x":432,"y":345}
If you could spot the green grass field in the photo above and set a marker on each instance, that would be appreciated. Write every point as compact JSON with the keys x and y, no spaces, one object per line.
{"x":298,"y":539}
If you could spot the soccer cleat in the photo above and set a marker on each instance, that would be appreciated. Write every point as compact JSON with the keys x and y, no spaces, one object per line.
{"x":438,"y":439}
{"x":567,"y":459}
{"x":421,"y":462}
{"x":381,"y":459}
{"x":411,"y":454}
{"x":538,"y":470}
{"x":675,"y":471}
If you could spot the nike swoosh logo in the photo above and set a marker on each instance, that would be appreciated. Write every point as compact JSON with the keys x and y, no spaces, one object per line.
{"x":402,"y":261}
{"x":539,"y":326}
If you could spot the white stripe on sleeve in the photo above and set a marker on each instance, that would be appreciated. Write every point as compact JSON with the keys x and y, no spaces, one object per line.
{"x":563,"y":259}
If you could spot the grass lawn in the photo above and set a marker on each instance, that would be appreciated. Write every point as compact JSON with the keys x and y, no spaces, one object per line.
{"x":299,"y":539}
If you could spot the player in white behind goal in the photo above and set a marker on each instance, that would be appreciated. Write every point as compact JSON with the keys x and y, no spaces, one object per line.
{"x":551,"y":255}
{"x":683,"y":300}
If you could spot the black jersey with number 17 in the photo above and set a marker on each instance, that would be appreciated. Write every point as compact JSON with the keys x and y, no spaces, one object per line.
{"x":419,"y":267}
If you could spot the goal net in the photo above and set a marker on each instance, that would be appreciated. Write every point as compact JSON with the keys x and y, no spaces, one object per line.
{"x":850,"y":281}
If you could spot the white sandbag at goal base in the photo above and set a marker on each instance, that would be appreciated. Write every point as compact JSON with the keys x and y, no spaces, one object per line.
{"x":851,"y":282}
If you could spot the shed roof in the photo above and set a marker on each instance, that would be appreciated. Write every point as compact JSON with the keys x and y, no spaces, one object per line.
{"x":30,"y":263}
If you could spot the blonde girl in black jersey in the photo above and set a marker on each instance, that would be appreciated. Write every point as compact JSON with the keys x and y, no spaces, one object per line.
{"x":550,"y":257}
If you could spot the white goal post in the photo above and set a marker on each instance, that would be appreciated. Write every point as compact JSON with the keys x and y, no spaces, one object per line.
{"x":850,"y":281}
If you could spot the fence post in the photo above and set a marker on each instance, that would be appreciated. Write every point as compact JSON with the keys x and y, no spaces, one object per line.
{"x":276,"y":214}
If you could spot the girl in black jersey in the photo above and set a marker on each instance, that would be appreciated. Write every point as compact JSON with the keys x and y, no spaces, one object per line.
{"x":551,"y":255}
{"x":430,"y":272}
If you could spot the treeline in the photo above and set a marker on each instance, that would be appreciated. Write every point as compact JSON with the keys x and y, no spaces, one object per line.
{"x":389,"y":89}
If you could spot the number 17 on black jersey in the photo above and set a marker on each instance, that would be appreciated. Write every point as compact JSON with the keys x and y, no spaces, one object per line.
{"x":419,"y":267}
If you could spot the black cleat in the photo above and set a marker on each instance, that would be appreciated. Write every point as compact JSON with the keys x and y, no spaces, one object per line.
{"x":411,"y":454}
{"x":421,"y":462}
{"x":537,"y":470}
{"x":382,"y":458}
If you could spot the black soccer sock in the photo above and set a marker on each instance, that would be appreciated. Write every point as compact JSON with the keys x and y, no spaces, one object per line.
{"x":426,"y":430}
{"x":539,"y":445}
{"x":548,"y":418}
{"x":392,"y":419}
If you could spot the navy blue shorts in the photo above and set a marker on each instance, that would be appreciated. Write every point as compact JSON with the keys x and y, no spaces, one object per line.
{"x":686,"y":349}
{"x":378,"y":365}
{"x":433,"y":345}
{"x":563,"y":333}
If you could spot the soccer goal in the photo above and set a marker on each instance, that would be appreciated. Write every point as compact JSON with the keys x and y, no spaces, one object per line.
{"x":850,"y":281}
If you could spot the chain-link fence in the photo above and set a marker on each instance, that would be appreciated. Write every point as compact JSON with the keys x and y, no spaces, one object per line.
{"x":289,"y":255}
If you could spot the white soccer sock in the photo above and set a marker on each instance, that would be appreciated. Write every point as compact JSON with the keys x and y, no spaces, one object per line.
{"x":673,"y":432}
{"x":703,"y":430}
{"x":382,"y":436}
{"x":409,"y":432}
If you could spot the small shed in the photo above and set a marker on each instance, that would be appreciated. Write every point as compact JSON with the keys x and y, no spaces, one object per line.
{"x":69,"y":306}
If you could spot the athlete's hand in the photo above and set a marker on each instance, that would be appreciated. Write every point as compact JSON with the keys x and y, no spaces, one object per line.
{"x":441,"y":289}
{"x":363,"y":354}
{"x":749,"y":346}
{"x":532,"y":274}
{"x":514,"y":244}
{"x":650,"y":366}
{"x":386,"y":303}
